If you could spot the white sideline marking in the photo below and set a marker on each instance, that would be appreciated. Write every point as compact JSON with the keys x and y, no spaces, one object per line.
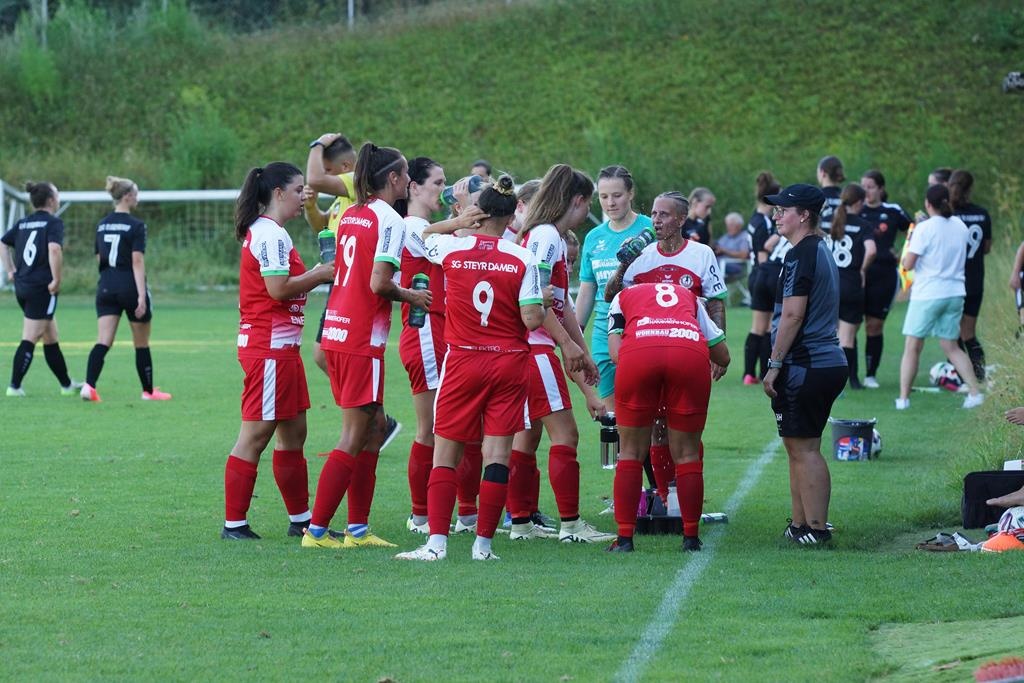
{"x":665,"y":616}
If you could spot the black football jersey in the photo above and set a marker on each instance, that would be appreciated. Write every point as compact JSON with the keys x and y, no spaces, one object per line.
{"x":30,"y":240}
{"x":979,"y":229}
{"x":848,"y":252}
{"x":885,"y":220}
{"x":117,"y":236}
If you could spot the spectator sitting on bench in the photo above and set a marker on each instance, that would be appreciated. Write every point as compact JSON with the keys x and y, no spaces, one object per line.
{"x":733,"y":247}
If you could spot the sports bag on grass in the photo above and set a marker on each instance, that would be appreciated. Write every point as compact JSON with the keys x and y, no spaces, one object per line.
{"x":979,"y":487}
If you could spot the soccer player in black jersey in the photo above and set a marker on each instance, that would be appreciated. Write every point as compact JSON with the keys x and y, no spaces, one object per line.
{"x":697,"y":225}
{"x":884,"y":219}
{"x":120,"y":248}
{"x":979,"y":242}
{"x":830,"y":178}
{"x":853,"y":248}
{"x":37,"y":241}
{"x":760,"y":283}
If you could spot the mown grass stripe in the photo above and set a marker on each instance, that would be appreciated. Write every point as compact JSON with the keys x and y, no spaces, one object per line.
{"x":665,"y":617}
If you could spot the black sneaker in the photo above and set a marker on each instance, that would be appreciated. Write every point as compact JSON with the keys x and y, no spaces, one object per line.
{"x":691,"y":544}
{"x":805,"y":535}
{"x":239,"y":533}
{"x":299,"y":528}
{"x":391,"y":429}
{"x":791,"y":530}
{"x":621,"y":545}
{"x":540,"y":519}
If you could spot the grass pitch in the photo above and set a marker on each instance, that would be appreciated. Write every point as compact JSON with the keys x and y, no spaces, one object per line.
{"x":111,"y":566}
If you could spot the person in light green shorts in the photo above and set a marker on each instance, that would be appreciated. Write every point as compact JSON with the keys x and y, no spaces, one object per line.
{"x":598,"y":264}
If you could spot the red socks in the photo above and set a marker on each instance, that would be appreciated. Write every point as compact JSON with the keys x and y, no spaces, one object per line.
{"x":664,"y":469}
{"x":468,"y":477}
{"x":360,"y":491}
{"x":421,"y":461}
{"x":440,"y":499}
{"x":239,"y":481}
{"x":330,"y":489}
{"x":292,"y":479}
{"x":521,"y":468}
{"x":564,"y":474}
{"x":492,"y":502}
{"x":626,"y":491}
{"x":690,"y":488}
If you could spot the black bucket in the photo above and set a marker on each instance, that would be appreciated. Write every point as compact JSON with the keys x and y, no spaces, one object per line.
{"x":851,"y":439}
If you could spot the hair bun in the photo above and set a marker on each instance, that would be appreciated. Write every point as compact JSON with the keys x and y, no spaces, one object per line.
{"x":505,"y":185}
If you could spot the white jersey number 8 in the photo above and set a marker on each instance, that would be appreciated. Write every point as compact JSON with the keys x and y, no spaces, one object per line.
{"x":666,"y":295}
{"x":483,"y":300}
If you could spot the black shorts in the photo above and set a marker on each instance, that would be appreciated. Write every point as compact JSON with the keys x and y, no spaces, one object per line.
{"x":323,"y":316}
{"x":880,"y":290}
{"x":972,"y":304}
{"x":851,"y":301}
{"x":761,"y":285}
{"x":36,"y":302}
{"x":804,"y":398}
{"x":1020,"y":293}
{"x":117,"y":300}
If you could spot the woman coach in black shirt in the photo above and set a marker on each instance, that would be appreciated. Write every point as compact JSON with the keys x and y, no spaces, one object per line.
{"x":807,"y":369}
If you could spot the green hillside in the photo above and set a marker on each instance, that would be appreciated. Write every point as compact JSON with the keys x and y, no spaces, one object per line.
{"x":683,"y":92}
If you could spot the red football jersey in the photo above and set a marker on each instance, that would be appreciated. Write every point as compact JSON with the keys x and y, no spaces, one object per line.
{"x":487,"y":280}
{"x":268,"y":328}
{"x":694,"y":266}
{"x":548,"y":249}
{"x":661,"y":315}
{"x":357,"y":321}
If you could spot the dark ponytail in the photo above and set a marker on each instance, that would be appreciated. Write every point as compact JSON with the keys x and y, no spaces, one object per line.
{"x":832,"y":167}
{"x":942,"y":174}
{"x":257,"y":192}
{"x":40,"y":193}
{"x":938,"y":197}
{"x":498,"y":199}
{"x":419,"y":171}
{"x":372,"y":167}
{"x":960,"y":184}
{"x":765,"y":184}
{"x":851,"y":194}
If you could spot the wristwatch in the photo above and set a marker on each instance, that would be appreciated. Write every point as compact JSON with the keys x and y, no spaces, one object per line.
{"x":774,"y":364}
{"x":315,"y":143}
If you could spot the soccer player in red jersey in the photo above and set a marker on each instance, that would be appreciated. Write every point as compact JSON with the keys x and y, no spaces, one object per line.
{"x":560,"y":205}
{"x":493,"y":298}
{"x":674,"y":259}
{"x":658,"y":335}
{"x":356,"y":325}
{"x":422,"y":349}
{"x":272,"y":289}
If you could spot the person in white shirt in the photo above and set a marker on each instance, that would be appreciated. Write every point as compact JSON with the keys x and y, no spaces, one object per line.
{"x":937,"y":253}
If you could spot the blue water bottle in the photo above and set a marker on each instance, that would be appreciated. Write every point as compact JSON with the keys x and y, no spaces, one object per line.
{"x":448,"y":195}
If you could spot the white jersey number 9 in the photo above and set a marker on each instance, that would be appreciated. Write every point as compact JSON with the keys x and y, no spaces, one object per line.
{"x":974,"y":239}
{"x":483,"y":300}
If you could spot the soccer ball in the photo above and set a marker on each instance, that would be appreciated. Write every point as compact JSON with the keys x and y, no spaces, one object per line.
{"x":944,"y":375}
{"x":1012,"y":519}
{"x":876,"y":443}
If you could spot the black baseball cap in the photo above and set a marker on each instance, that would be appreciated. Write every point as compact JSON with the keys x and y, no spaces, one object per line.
{"x":804,"y":196}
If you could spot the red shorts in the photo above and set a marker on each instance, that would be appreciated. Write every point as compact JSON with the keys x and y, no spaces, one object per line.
{"x":273,"y":388}
{"x":674,"y":381}
{"x":355,"y":380}
{"x":480,"y":388}
{"x":549,"y":392}
{"x":422,"y":352}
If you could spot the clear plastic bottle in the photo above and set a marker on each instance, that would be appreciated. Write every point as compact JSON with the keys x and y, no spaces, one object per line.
{"x":328,"y":244}
{"x":633,"y":246}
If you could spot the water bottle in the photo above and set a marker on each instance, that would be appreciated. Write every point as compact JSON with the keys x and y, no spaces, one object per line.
{"x":328,"y":243}
{"x":417,"y":315}
{"x":633,"y":246}
{"x":545,"y":277}
{"x":609,"y":441}
{"x":448,"y":195}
